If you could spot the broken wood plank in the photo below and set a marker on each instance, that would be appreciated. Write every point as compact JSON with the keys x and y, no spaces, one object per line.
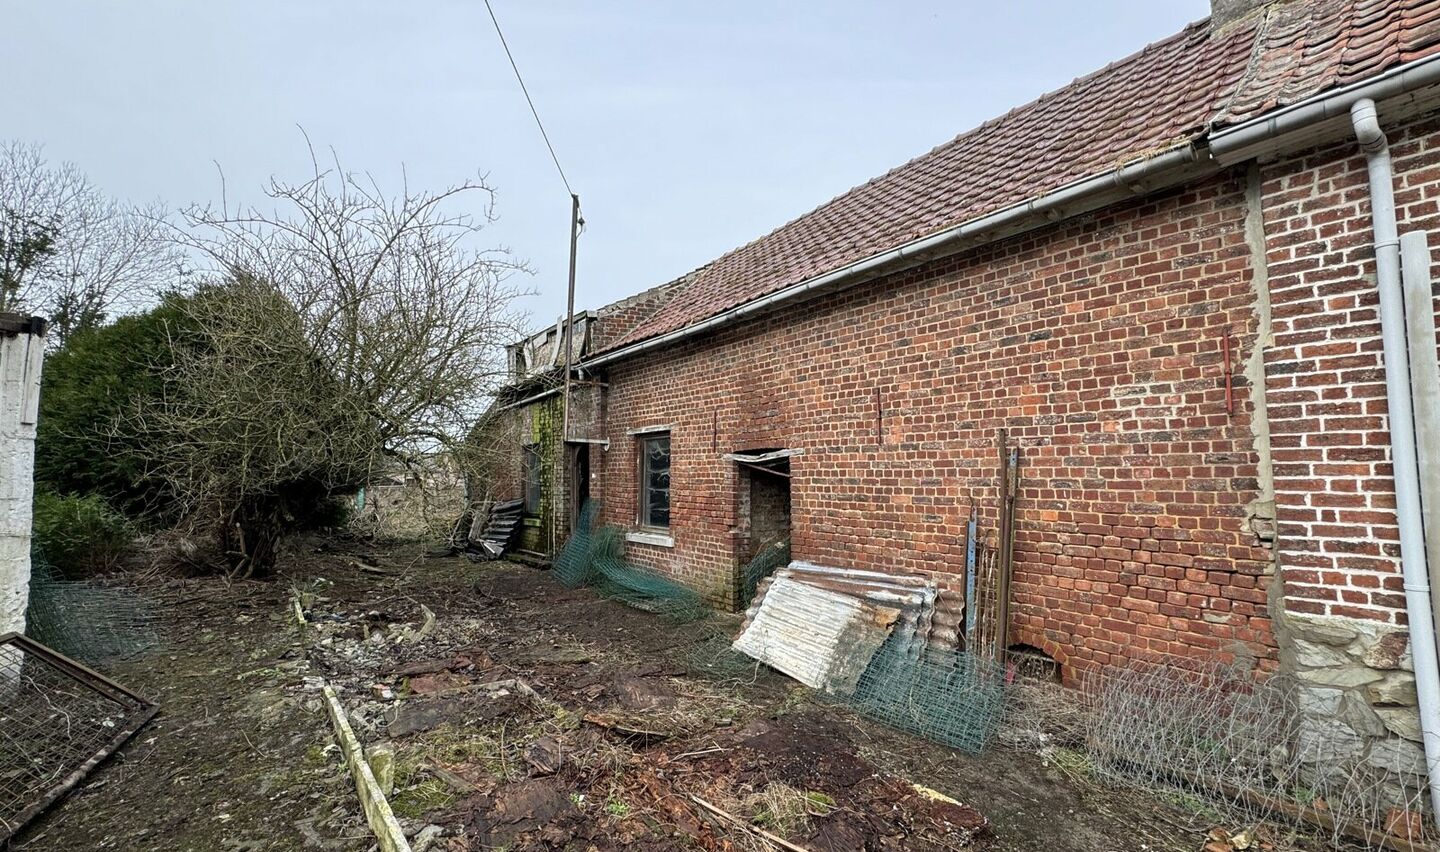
{"x":778,"y":842}
{"x":377,"y":810}
{"x":455,"y":782}
{"x":371,"y":569}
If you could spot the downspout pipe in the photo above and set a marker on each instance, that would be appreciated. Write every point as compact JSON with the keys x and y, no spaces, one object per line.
{"x":1373,"y":143}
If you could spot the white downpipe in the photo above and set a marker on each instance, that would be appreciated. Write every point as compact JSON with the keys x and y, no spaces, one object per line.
{"x":1402,"y":434}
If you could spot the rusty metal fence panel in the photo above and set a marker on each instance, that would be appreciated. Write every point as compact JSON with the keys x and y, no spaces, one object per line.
{"x":58,"y":720}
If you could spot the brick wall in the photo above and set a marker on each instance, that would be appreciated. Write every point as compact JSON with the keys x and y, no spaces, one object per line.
{"x":617,"y":318}
{"x":1097,"y":342}
{"x":1335,"y":494}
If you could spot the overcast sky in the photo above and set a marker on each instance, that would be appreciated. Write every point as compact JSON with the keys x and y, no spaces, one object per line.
{"x":687,"y":128}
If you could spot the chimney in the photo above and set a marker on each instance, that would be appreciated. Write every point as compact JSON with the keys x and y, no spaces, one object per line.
{"x":1223,"y":12}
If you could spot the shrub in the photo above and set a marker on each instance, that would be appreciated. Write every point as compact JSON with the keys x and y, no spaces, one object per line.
{"x":84,"y":443}
{"x":79,"y":536}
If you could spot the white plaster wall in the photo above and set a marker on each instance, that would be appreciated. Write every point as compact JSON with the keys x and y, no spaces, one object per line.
{"x":21,"y":356}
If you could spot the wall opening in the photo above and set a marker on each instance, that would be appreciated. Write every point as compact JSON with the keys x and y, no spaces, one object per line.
{"x":764,"y":485}
{"x":1031,"y":662}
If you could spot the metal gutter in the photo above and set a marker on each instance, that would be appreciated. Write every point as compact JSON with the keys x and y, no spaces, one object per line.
{"x":529,"y":399}
{"x":1232,"y":144}
{"x":1170,"y":168}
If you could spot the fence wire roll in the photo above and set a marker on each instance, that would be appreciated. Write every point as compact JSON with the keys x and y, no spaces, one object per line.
{"x":595,"y":556}
{"x":86,"y":620}
{"x":950,"y":697}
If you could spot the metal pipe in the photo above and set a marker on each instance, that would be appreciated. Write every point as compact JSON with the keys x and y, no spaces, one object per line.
{"x":1402,"y":434}
{"x":529,"y":399}
{"x":1173,"y":167}
{"x":1424,"y":392}
{"x":1400,"y":80}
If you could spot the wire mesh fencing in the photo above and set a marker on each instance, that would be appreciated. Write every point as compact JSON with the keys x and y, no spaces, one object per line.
{"x":57,"y":721}
{"x":1250,"y":747}
{"x":86,"y":620}
{"x":946,"y":696}
{"x":771,"y":558}
{"x":595,"y":556}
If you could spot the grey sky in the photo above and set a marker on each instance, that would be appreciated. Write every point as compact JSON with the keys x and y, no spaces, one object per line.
{"x":688,"y":128}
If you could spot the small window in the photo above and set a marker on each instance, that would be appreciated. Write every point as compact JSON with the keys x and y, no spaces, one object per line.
{"x":531,"y":462}
{"x":655,"y":481}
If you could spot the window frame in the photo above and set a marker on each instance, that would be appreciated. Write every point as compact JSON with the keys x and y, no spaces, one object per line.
{"x":643,"y":489}
{"x":531,"y":464}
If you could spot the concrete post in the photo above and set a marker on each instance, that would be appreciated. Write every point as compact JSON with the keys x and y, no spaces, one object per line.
{"x":22,"y":351}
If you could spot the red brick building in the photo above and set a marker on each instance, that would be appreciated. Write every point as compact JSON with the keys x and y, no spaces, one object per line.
{"x":1159,"y":279}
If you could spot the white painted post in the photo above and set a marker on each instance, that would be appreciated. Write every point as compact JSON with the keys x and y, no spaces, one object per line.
{"x":22,"y":351}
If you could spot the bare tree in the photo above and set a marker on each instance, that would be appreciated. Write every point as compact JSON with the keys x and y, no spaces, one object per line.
{"x":345,"y":329}
{"x":70,"y":252}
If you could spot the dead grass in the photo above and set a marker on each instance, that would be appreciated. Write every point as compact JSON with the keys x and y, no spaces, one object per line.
{"x":784,"y":810}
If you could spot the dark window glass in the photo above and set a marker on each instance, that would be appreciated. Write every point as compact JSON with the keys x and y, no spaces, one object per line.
{"x":532,"y":480}
{"x":655,"y":481}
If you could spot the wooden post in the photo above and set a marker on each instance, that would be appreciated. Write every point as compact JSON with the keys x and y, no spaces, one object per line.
{"x":1009,"y":485}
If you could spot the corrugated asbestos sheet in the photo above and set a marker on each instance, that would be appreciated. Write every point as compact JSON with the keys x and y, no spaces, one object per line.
{"x":913,"y":596}
{"x":930,"y":617}
{"x":822,"y":638}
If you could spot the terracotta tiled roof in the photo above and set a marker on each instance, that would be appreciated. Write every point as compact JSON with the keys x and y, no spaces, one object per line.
{"x":1305,"y":48}
{"x":1165,"y":96}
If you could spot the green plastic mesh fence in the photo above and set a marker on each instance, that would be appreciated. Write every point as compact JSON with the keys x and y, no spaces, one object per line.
{"x":573,"y":565}
{"x":87,"y":621}
{"x":595,"y":556}
{"x":949,"y":697}
{"x":771,"y":558}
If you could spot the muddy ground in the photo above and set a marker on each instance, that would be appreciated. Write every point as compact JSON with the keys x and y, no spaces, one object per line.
{"x":640,"y":733}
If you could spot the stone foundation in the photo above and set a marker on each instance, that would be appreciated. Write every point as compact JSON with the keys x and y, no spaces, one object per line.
{"x":1355,"y":692}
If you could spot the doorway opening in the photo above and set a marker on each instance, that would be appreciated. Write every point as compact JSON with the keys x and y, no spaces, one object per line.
{"x":763,"y":495}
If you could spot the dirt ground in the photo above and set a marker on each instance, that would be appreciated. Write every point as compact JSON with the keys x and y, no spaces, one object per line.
{"x":640,"y":733}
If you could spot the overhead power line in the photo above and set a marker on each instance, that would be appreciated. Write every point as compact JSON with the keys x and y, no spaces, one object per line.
{"x":538,"y":123}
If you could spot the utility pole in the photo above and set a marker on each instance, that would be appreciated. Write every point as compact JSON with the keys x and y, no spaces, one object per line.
{"x":565,"y":472}
{"x":575,"y":223}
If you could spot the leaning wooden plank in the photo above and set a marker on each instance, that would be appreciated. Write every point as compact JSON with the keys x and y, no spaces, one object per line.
{"x":377,"y":811}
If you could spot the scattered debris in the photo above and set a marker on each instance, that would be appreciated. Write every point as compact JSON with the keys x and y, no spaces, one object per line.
{"x":458,"y":784}
{"x":777,"y":842}
{"x":404,"y":633}
{"x":497,"y":535}
{"x":545,"y":756}
{"x":371,"y":569}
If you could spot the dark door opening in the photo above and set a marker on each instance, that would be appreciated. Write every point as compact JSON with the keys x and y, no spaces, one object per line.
{"x":579,"y":482}
{"x":769,"y":511}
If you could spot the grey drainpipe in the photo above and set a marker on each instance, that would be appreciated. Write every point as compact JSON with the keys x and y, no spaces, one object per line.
{"x":1402,"y":434}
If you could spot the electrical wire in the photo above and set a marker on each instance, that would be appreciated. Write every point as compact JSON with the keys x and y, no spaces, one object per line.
{"x":528,"y":99}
